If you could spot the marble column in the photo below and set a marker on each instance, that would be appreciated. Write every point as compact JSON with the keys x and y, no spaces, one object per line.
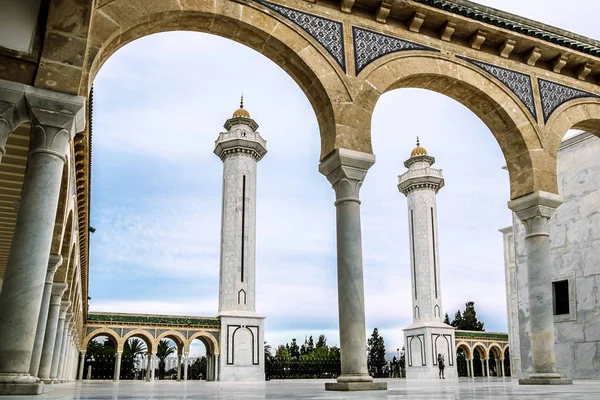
{"x":59,"y":339}
{"x":346,"y":170}
{"x":56,"y":319}
{"x":178,"y":367}
{"x":118,"y":365}
{"x":185,"y":366}
{"x":148,"y":366}
{"x":13,"y":110}
{"x":63,"y":347}
{"x":54,"y":262}
{"x":502,"y":367}
{"x":153,"y":363}
{"x":55,"y":118}
{"x":81,"y":364}
{"x":472,"y":370}
{"x":535,"y":210}
{"x":216,"y":377}
{"x":487,"y":367}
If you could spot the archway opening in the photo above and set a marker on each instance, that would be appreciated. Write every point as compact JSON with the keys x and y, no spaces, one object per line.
{"x":507,"y":362}
{"x":132,"y":366}
{"x":100,"y":358}
{"x":479,"y":369}
{"x":198,"y":360}
{"x":462,"y":361}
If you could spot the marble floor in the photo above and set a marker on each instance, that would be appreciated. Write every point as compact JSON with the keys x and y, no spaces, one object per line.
{"x":315,"y":389}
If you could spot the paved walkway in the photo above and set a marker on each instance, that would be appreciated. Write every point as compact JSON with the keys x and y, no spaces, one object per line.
{"x":494,"y":388}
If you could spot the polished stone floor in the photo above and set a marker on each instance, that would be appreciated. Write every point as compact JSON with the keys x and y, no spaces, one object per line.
{"x":480,"y":388}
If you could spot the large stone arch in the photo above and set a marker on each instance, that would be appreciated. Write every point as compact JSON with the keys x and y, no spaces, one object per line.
{"x":482,"y":349}
{"x":116,"y":23}
{"x":513,"y":126}
{"x":504,"y":349}
{"x":466,"y":348}
{"x":583,"y":113}
{"x":175,"y":336}
{"x":212,"y":346}
{"x":114,"y":336}
{"x":142,"y":334}
{"x":496,"y":349}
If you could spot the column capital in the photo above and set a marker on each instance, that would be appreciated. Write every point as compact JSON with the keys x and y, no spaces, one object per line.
{"x":54,"y":262}
{"x":58,"y":289}
{"x":346,"y":166}
{"x":534,"y":210}
{"x":13,"y":111}
{"x":55,"y":117}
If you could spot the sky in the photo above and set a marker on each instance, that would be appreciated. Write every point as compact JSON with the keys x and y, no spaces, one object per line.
{"x":159,"y":104}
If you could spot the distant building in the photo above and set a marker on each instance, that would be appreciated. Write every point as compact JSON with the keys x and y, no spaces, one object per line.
{"x":575,"y":250}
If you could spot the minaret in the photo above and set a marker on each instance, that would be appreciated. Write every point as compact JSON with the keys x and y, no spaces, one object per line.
{"x":240,"y":148}
{"x":427,"y":336}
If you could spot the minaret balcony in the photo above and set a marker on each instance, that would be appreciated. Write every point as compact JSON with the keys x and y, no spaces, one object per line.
{"x":240,"y":140}
{"x":421,"y":178}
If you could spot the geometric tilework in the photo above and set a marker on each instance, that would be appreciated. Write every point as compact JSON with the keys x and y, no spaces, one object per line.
{"x":554,"y":95}
{"x":520,"y":84}
{"x":325,"y":31}
{"x":369,"y":46}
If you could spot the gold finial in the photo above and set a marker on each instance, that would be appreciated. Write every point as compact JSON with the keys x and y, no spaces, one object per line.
{"x":241,"y":112}
{"x":242,"y":101}
{"x":418,"y":144}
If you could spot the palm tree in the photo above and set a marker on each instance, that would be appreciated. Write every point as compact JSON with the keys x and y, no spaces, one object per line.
{"x":163,"y":350}
{"x":132,"y":348}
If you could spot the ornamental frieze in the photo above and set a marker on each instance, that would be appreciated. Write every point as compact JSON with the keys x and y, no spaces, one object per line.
{"x":553,"y":95}
{"x":369,"y":46}
{"x":325,"y":31}
{"x":520,"y":84}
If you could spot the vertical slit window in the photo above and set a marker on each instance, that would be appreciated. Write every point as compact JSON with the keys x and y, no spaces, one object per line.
{"x":560,"y":297}
{"x":434,"y":259}
{"x":412,"y":232}
{"x":243,"y":222}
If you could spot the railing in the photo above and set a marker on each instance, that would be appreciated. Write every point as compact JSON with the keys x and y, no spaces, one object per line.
{"x":241,"y":134}
{"x":303,"y":369}
{"x":419,"y":173}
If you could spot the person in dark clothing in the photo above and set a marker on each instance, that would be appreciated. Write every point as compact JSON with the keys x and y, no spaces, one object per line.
{"x":441,"y":365}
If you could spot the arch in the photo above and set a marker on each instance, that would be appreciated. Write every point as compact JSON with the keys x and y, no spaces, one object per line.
{"x":212,"y":346}
{"x":175,"y":336}
{"x":253,"y":25}
{"x":142,"y":334}
{"x":483,"y":351}
{"x":581,"y":114}
{"x":496,"y":350}
{"x":466,"y":348}
{"x":63,"y":205}
{"x":513,"y":126}
{"x":504,"y":349}
{"x":100,"y":332}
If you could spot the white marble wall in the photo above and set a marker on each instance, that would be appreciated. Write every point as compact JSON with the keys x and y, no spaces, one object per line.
{"x":512,"y":300}
{"x":575,"y":250}
{"x":242,"y":352}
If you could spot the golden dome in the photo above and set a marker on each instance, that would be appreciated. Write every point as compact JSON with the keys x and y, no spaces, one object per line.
{"x":418,"y":151}
{"x":241,"y":112}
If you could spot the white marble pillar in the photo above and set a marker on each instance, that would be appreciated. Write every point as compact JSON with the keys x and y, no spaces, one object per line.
{"x":153,"y":363}
{"x":346,"y":170}
{"x":56,"y":318}
{"x":502,"y":367}
{"x":185,"y":366}
{"x":54,"y":118}
{"x":81,"y":364}
{"x":178,"y":367}
{"x":13,"y":111}
{"x":59,"y":339}
{"x":148,"y":366}
{"x":216,"y":377}
{"x":54,"y":262}
{"x":117,"y":375}
{"x":535,"y":210}
{"x":63,"y":347}
{"x":471,"y":366}
{"x":487,"y":367}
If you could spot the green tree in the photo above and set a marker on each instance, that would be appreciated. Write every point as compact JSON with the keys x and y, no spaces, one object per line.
{"x":131,"y":350}
{"x":294,"y":350}
{"x":268,"y":352}
{"x":282,"y":353}
{"x":376,"y":348}
{"x":467,"y":320}
{"x":163,"y":350}
{"x":198,"y":369}
{"x":321,"y":342}
{"x":447,"y":320}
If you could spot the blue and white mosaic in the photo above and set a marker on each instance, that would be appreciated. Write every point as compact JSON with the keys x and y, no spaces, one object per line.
{"x":325,"y":31}
{"x":369,"y":46}
{"x":519,"y":83}
{"x":554,"y":95}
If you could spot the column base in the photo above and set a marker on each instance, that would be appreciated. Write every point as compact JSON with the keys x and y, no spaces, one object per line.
{"x":545,"y":379}
{"x":21,"y":388}
{"x":355,"y":386}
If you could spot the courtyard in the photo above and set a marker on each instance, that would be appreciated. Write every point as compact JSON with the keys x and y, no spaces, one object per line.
{"x":313,"y":389}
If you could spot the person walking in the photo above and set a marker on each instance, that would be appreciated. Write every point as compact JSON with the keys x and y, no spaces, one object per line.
{"x":441,"y":365}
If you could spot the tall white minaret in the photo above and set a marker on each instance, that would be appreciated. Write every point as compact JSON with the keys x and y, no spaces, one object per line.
{"x":427,"y":336}
{"x":240,"y":148}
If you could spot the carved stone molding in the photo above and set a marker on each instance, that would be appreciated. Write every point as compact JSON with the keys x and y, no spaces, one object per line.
{"x":553,"y":95}
{"x":369,"y":46}
{"x":520,"y":84}
{"x":325,"y":31}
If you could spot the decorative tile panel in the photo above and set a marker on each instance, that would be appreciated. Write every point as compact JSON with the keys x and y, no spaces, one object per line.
{"x":325,"y":31}
{"x":369,"y":46}
{"x":90,"y":330}
{"x":520,"y":84}
{"x":554,"y":95}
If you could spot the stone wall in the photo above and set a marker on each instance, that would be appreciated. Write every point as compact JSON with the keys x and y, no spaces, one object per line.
{"x":575,"y":247}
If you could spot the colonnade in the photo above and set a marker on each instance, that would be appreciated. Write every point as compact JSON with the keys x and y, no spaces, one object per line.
{"x":32,"y":305}
{"x":485,"y":367}
{"x":38,"y":339}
